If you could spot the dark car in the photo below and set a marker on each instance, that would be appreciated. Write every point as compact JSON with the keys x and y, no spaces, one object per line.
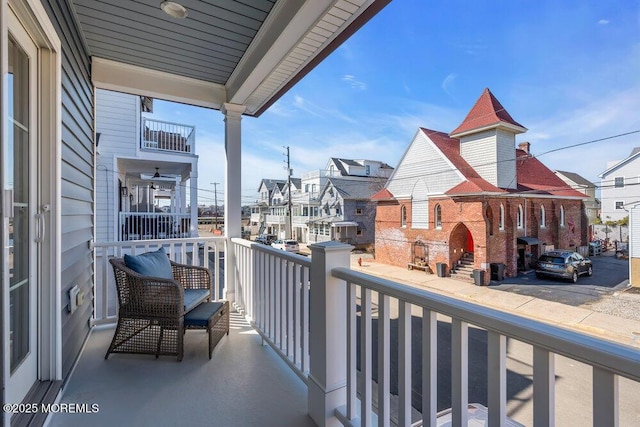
{"x":266,"y":239}
{"x":564,"y":265}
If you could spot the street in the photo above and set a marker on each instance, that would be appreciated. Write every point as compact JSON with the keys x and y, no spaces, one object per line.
{"x":610,"y":274}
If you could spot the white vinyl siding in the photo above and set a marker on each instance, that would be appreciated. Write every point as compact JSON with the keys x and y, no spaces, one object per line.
{"x":506,"y":160}
{"x":628,"y":194}
{"x":117,"y":119}
{"x":423,"y":161}
{"x":634,"y":236}
{"x":492,"y":154}
{"x":420,"y":206}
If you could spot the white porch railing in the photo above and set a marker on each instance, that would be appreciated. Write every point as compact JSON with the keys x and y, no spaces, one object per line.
{"x":166,"y":136}
{"x":154,"y":225}
{"x":208,"y":252}
{"x":271,"y":289}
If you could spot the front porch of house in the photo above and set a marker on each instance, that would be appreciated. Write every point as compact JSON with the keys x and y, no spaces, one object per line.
{"x":425,"y":353}
{"x":244,"y":384}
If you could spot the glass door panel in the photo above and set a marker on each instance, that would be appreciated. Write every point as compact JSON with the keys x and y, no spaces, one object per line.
{"x":19,"y":222}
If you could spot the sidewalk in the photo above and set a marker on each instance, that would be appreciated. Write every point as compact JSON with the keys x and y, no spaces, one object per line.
{"x":602,"y":325}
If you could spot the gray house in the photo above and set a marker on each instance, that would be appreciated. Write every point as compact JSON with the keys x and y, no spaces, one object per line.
{"x":346,"y":212}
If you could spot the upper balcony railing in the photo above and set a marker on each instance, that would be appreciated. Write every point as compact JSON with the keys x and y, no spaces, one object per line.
{"x":166,"y":136}
{"x":154,"y":225}
{"x":276,"y":219}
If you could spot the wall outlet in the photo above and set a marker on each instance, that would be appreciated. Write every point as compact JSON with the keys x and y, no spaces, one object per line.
{"x":74,"y":293}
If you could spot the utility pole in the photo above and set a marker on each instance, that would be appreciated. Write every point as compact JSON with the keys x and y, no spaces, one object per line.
{"x":215,"y":195}
{"x":290,"y":229}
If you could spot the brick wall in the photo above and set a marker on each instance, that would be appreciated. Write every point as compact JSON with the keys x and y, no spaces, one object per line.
{"x":481,"y":218}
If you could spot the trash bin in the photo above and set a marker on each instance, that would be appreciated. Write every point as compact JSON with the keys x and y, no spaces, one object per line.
{"x":497,"y":271}
{"x":478,"y":277}
{"x":441,"y":269}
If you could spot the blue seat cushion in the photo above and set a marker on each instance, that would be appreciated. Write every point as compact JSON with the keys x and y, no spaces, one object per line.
{"x":193,"y":297}
{"x":152,"y":264}
{"x":200,"y":315}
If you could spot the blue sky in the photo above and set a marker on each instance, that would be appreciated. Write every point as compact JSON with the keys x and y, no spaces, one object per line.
{"x":568,"y":71}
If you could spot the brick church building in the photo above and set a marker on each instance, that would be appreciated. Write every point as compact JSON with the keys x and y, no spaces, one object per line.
{"x":472,"y":196}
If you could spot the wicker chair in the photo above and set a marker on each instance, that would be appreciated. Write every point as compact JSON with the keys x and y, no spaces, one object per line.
{"x":151,"y":310}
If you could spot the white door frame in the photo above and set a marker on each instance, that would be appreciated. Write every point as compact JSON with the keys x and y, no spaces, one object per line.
{"x":35,"y":21}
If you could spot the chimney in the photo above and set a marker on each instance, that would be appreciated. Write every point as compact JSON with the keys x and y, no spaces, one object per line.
{"x":525,"y":146}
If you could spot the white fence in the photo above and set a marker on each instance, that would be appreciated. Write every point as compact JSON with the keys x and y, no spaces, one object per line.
{"x":208,"y":252}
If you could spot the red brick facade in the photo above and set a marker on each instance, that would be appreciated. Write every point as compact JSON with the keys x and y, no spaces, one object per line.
{"x":474,"y":224}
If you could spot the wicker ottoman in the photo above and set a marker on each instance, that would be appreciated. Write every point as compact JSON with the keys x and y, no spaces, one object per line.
{"x":212,"y":316}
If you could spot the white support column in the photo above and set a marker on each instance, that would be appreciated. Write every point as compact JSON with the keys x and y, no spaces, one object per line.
{"x":193,"y":196}
{"x":327,"y":319}
{"x":233,"y":190}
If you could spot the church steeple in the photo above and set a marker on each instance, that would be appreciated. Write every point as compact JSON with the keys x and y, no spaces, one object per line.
{"x":487,"y":113}
{"x":487,"y":141}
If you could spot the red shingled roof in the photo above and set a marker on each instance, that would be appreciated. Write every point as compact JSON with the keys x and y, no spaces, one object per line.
{"x":383,"y":194}
{"x":487,"y":111}
{"x":533,"y":176}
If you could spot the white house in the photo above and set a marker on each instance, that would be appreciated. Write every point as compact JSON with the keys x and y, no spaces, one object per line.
{"x":583,"y":185}
{"x":620,"y":186}
{"x":144,"y":169}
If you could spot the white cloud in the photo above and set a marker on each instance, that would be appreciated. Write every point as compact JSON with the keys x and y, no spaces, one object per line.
{"x":448,"y":82}
{"x":603,"y":21}
{"x":593,"y":119}
{"x":353,"y":82}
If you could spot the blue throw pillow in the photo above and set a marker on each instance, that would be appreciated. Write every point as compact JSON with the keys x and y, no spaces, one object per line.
{"x":154,"y":264}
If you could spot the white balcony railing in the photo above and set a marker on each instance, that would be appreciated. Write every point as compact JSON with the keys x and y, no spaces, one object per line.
{"x":166,"y":136}
{"x":276,"y":219}
{"x":208,"y":252}
{"x":271,"y":288}
{"x":153,"y":225}
{"x":320,"y":317}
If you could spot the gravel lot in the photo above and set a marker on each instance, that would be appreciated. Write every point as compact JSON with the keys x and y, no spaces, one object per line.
{"x":624,"y":304}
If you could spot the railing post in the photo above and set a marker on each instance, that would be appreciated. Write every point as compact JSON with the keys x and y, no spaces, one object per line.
{"x":328,"y":336}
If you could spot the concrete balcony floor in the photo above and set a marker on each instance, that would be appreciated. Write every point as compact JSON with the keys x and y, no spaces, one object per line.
{"x":244,"y":384}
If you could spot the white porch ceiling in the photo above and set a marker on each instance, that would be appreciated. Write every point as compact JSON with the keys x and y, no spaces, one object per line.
{"x":246,"y":52}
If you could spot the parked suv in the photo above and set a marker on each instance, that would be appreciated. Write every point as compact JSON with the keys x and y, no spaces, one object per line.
{"x":563,"y":264}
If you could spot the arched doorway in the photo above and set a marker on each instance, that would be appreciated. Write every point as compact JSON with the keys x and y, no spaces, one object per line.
{"x":460,"y":242}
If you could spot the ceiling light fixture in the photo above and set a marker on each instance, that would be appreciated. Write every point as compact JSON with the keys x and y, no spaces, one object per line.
{"x":174,"y":9}
{"x":157,"y":174}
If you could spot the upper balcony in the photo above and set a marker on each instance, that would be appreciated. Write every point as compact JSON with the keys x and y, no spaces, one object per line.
{"x":158,"y":135}
{"x":362,"y":349}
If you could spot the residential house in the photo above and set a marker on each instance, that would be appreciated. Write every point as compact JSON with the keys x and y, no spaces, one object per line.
{"x":471,"y":195}
{"x":310,"y":220}
{"x":55,"y":55}
{"x":144,"y":169}
{"x":583,"y":185}
{"x":346,"y":212}
{"x":619,"y":185}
